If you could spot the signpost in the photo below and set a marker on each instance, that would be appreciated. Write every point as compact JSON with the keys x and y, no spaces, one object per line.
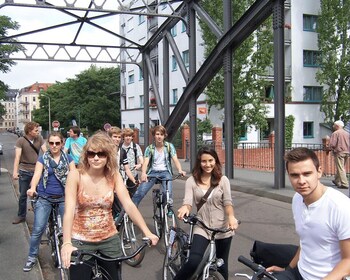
{"x":55,"y":125}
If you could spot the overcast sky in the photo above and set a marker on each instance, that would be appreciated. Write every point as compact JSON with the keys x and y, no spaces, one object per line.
{"x":26,"y":72}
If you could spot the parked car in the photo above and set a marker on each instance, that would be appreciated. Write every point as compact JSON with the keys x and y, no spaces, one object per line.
{"x":1,"y":151}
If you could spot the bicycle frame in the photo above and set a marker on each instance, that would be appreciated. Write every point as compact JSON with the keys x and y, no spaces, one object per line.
{"x":209,"y":263}
{"x":54,"y":235}
{"x":163,"y":204}
{"x":79,"y":254}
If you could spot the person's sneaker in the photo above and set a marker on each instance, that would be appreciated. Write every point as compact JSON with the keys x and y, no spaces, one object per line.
{"x":343,"y":187}
{"x":335,"y":183}
{"x":29,"y":265}
{"x":18,"y":220}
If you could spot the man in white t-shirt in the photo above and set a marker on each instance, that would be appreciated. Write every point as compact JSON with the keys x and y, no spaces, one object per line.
{"x":321,"y":215}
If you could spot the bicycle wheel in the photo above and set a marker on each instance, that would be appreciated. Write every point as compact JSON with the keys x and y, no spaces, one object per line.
{"x":170,"y":221}
{"x":131,"y":239}
{"x":157,"y":216}
{"x":174,"y":258}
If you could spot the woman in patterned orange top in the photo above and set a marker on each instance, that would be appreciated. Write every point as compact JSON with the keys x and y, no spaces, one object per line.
{"x":88,"y":223}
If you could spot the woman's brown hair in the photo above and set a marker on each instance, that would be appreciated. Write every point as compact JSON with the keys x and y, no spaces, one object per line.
{"x":197,"y":170}
{"x":101,"y":142}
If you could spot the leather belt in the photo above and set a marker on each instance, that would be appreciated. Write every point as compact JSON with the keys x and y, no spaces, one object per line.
{"x":56,"y":196}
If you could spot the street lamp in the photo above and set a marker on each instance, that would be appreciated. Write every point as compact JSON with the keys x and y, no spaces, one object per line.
{"x":48,"y":97}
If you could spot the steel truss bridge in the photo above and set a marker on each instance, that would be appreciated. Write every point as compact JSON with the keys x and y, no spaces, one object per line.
{"x":84,"y":16}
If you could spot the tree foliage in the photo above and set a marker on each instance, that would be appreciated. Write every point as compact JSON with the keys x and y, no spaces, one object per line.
{"x":249,"y":63}
{"x":6,"y":24}
{"x":333,"y":40}
{"x":92,"y":99}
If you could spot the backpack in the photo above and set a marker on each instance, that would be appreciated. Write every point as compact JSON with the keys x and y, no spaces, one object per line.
{"x":152,"y":148}
{"x":123,"y":151}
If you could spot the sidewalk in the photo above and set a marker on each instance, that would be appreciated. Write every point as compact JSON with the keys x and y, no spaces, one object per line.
{"x":14,"y":239}
{"x":261,"y":183}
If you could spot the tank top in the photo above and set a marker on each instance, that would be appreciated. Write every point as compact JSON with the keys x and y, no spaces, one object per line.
{"x":93,"y":220}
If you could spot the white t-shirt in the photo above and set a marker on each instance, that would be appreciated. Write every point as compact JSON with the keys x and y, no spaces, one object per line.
{"x":320,"y":226}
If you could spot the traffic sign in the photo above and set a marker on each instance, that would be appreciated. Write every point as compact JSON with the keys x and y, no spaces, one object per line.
{"x":107,"y":126}
{"x":55,"y":124}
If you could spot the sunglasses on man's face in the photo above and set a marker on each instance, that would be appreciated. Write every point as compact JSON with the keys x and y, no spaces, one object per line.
{"x":91,"y":154}
{"x":54,"y":143}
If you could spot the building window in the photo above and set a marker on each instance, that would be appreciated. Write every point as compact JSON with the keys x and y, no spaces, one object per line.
{"x":312,"y":94}
{"x":173,"y":63}
{"x":311,"y":58}
{"x":142,"y":101}
{"x":173,"y":31}
{"x":309,"y":23}
{"x":132,"y":126}
{"x":141,"y":19}
{"x":243,"y":132}
{"x":269,"y":93}
{"x":140,"y":75}
{"x":185,"y":58}
{"x":33,"y":98}
{"x":264,"y":134}
{"x":308,"y":129}
{"x":174,"y":96}
{"x":131,"y":77}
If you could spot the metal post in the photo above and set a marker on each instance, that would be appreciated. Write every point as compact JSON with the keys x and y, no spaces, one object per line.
{"x":187,"y":151}
{"x":48,"y":97}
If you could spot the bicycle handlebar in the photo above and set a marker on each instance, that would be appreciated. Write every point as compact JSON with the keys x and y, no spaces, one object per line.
{"x":256,"y":267}
{"x":177,"y":176}
{"x":193,"y":219}
{"x":78,"y":254}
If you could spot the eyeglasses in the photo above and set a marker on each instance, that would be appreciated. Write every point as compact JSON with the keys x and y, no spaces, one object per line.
{"x":91,"y":154}
{"x":54,"y":143}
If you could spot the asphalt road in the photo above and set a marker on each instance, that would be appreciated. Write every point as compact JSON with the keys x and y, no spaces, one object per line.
{"x":262,"y":219}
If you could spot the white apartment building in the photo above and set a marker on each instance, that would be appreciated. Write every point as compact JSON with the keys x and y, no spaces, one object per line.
{"x":8,"y":121}
{"x":303,"y":94}
{"x":27,"y":101}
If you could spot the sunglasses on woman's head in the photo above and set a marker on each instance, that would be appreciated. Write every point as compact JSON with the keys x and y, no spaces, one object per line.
{"x":54,"y":143}
{"x":91,"y":154}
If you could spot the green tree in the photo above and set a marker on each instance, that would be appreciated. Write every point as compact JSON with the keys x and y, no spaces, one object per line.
{"x":250,"y":61}
{"x":91,"y":99}
{"x":6,"y":49}
{"x":333,"y":42}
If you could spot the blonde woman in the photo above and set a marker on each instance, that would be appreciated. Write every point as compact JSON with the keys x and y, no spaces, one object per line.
{"x":88,"y":222}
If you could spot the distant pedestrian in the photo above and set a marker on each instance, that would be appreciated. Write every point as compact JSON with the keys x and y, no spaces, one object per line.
{"x":340,"y":145}
{"x":74,"y":143}
{"x":49,"y":181}
{"x":27,"y":149}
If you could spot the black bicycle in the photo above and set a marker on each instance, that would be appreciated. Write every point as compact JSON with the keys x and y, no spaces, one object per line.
{"x":98,"y":272}
{"x":179,"y":250}
{"x":164,"y":217}
{"x":54,"y":235}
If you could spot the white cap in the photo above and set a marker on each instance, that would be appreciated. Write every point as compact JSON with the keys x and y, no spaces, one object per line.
{"x":339,"y":123}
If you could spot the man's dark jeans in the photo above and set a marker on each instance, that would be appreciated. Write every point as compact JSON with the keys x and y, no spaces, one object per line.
{"x":24,"y":184}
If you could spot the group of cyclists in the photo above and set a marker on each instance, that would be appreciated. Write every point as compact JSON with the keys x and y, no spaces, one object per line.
{"x":86,"y":191}
{"x":84,"y":175}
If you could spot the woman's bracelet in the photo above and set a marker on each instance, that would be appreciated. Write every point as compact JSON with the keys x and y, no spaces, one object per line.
{"x":66,"y":243}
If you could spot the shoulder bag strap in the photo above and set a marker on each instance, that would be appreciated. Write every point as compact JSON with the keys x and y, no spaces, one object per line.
{"x":205,"y":197}
{"x":31,"y":144}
